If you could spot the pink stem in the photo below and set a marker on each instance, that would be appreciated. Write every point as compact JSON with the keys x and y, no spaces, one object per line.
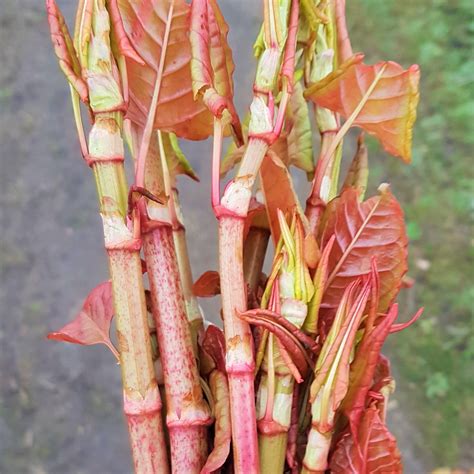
{"x":187,"y":414}
{"x":216,"y":163}
{"x":240,"y":363}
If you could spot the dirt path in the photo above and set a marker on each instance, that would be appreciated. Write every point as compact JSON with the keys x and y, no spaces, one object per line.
{"x":60,"y":404}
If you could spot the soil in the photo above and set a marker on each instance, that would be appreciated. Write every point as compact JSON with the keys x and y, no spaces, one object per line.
{"x":60,"y":404}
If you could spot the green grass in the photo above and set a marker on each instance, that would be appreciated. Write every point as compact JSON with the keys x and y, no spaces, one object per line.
{"x":436,"y":355}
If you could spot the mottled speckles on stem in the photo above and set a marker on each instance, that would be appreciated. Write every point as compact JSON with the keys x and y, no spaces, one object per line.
{"x":122,"y":342}
{"x":234,"y":342}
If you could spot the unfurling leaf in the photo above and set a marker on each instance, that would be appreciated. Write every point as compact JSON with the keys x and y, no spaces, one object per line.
{"x":363,"y":368}
{"x":223,"y":432}
{"x":211,"y":64}
{"x":291,"y":338}
{"x":293,"y":146}
{"x":390,"y":110}
{"x":375,"y":450}
{"x":207,"y":285}
{"x":177,"y":111}
{"x":119,"y":35}
{"x":64,"y":49}
{"x":372,"y":229}
{"x":358,"y":173}
{"x":92,"y":323}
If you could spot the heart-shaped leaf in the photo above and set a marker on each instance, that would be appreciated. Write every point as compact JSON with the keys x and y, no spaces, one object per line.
{"x":390,"y":110}
{"x":211,"y":64}
{"x":371,"y":229}
{"x":207,"y":285}
{"x":374,"y":451}
{"x":223,"y":432}
{"x":64,"y":49}
{"x":92,"y":323}
{"x":145,"y":24}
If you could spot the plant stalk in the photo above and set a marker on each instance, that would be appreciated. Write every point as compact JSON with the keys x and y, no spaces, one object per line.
{"x":187,"y":413}
{"x":142,"y":403}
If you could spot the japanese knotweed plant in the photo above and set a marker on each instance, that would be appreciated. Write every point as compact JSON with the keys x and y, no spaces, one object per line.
{"x":295,"y":380}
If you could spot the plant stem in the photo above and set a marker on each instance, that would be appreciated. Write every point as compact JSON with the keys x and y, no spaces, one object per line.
{"x":142,"y":402}
{"x":240,"y":362}
{"x":193,"y":311}
{"x":187,"y":414}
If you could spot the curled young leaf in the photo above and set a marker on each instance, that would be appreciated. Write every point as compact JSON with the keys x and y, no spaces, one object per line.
{"x":64,"y":49}
{"x":145,"y":22}
{"x":207,"y":285}
{"x":214,"y":345}
{"x":211,"y":64}
{"x":390,"y":110}
{"x":223,"y":432}
{"x":92,"y":324}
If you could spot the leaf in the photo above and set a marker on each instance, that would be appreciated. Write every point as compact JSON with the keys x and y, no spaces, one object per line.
{"x":278,"y":191}
{"x":390,"y":110}
{"x":358,"y":173}
{"x":214,"y":345}
{"x":294,"y":145}
{"x":64,"y":49}
{"x":92,"y":324}
{"x":377,"y":445}
{"x":371,"y":229}
{"x":223,"y":432}
{"x":119,"y":35}
{"x":291,"y":338}
{"x":144,"y":22}
{"x":211,"y":64}
{"x":363,"y":368}
{"x":207,"y":285}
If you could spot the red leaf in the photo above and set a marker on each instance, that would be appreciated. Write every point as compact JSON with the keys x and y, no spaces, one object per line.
{"x":211,"y":64}
{"x":363,"y":368}
{"x":214,"y":345}
{"x":207,"y":285}
{"x":92,"y":323}
{"x":278,"y":190}
{"x":372,"y":229}
{"x":358,"y":173}
{"x":223,"y":432}
{"x":377,"y":446}
{"x":144,"y":22}
{"x":390,"y":110}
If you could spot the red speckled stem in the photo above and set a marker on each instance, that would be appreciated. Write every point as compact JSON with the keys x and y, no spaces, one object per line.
{"x":240,"y":363}
{"x":187,"y":414}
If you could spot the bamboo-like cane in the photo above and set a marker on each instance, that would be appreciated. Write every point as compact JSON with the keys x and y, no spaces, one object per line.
{"x":142,"y":404}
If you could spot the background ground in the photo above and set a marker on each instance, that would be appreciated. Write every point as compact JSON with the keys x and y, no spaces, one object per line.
{"x":60,"y":404}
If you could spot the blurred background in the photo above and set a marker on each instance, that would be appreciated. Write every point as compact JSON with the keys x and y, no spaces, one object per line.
{"x":60,"y":404}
